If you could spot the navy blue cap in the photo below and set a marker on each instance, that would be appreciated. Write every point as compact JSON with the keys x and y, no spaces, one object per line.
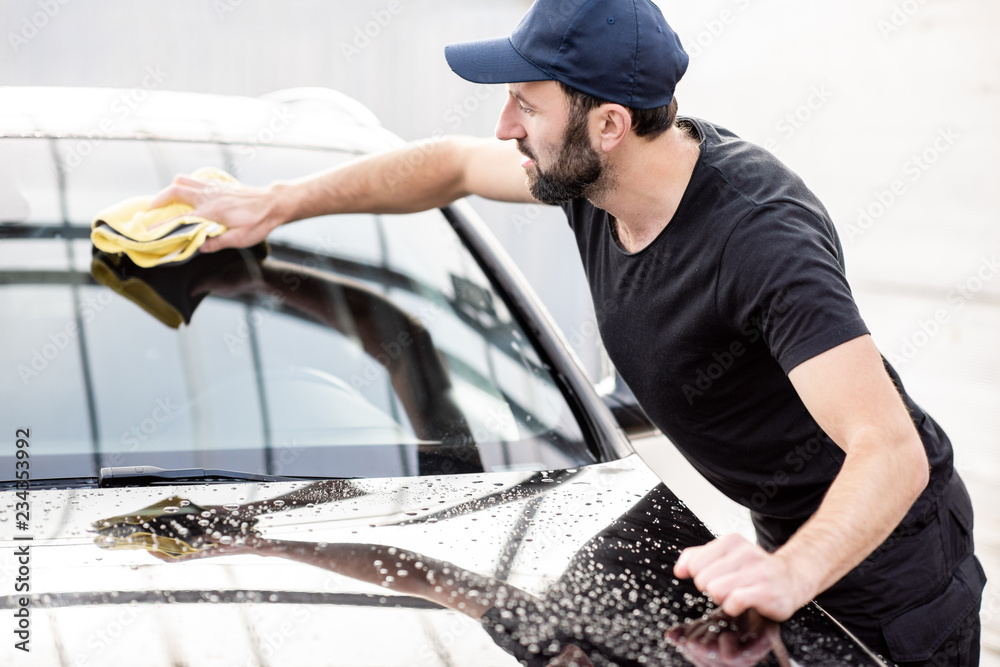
{"x":621,"y":51}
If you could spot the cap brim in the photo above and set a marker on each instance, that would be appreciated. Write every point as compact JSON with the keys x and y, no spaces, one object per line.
{"x":491,"y":61}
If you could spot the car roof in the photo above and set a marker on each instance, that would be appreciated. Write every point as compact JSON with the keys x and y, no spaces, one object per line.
{"x":306,"y":117}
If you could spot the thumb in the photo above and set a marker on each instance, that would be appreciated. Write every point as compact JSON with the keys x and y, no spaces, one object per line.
{"x":213,"y":244}
{"x":681,"y":568}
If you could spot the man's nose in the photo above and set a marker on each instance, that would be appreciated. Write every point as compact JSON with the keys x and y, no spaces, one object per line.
{"x":508,"y":125}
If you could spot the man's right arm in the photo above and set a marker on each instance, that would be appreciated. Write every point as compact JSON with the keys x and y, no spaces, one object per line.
{"x":416,"y":177}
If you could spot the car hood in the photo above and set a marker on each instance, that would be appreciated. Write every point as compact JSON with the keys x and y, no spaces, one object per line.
{"x":580,"y":556}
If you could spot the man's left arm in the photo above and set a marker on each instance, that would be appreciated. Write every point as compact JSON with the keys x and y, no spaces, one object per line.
{"x":848,"y":392}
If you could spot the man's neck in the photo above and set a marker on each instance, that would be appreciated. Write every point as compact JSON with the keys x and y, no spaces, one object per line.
{"x":650,"y":179}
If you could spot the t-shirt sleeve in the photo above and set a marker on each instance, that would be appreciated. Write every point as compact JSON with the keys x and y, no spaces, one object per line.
{"x":781,"y":274}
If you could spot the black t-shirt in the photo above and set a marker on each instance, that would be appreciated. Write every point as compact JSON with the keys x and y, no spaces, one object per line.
{"x":746,"y":282}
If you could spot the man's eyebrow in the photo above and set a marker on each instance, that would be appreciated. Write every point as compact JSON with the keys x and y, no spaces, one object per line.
{"x":519,"y":97}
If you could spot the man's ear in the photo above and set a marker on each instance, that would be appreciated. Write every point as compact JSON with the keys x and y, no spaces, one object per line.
{"x":614,"y":122}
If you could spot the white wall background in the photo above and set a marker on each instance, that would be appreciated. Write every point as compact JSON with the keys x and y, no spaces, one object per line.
{"x":888,"y":107}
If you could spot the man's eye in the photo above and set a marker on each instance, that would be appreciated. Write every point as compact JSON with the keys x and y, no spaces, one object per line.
{"x":525,"y":109}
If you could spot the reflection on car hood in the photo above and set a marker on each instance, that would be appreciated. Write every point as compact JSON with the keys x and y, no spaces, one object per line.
{"x":357,"y":572}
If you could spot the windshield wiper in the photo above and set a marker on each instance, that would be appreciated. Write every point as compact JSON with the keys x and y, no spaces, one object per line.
{"x":146,"y":475}
{"x":49,"y":483}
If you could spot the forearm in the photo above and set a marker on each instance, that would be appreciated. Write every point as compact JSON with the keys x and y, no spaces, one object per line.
{"x":398,"y":569}
{"x":416,"y":177}
{"x":875,"y":488}
{"x":848,"y":393}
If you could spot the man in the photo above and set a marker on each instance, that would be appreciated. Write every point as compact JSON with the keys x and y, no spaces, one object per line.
{"x":719,"y":284}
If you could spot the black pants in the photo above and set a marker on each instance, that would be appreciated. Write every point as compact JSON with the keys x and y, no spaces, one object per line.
{"x":960,"y":649}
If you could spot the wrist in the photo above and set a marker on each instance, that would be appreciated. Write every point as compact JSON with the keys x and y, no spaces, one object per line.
{"x":281,"y":204}
{"x":804,"y":575}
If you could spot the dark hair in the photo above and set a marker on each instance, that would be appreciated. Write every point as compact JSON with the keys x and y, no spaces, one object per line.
{"x":648,"y":123}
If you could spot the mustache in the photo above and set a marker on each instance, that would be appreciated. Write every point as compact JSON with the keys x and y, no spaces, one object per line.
{"x":521,"y":146}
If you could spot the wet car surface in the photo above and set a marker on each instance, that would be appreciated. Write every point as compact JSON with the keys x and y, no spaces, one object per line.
{"x":375,"y":449}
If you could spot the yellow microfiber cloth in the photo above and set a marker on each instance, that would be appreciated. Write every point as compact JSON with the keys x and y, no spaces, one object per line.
{"x":155,"y":236}
{"x":171,"y":292}
{"x":103,"y":268}
{"x":170,"y":527}
{"x":173,"y":528}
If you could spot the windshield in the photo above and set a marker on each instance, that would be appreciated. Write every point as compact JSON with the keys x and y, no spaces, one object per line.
{"x":353,"y":345}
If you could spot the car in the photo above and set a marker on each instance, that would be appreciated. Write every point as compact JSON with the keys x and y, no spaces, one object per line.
{"x":362,"y":442}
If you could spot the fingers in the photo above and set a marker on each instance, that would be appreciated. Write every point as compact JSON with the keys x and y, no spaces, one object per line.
{"x":739,"y":576}
{"x":714,"y":575}
{"x":707,"y":642}
{"x":244,"y":211}
{"x":221,"y":242}
{"x":572,"y":656}
{"x":740,"y":599}
{"x":233,"y":238}
{"x":186,"y":190}
{"x":693,"y":559}
{"x":724,"y":586}
{"x":184,"y":179}
{"x":769,"y":597}
{"x":213,"y":245}
{"x":176,"y":193}
{"x":682,"y":568}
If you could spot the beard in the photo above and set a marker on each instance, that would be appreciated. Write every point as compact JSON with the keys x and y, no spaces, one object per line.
{"x":578,"y":170}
